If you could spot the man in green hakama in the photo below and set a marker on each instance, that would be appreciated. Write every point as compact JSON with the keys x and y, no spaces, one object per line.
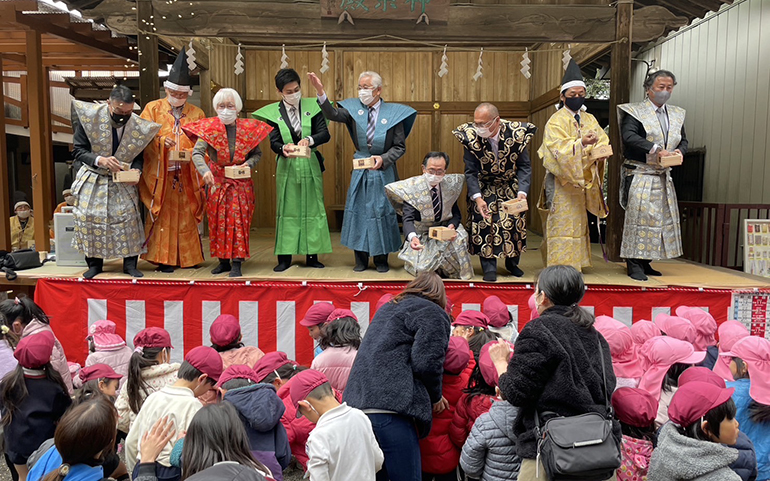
{"x":300,"y":221}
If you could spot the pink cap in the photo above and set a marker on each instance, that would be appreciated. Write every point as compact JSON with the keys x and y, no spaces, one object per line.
{"x":701,"y":374}
{"x":704,"y":324}
{"x":458,"y":355}
{"x":206,"y":360}
{"x":225,"y":330}
{"x":237,"y":371}
{"x":496,"y":311}
{"x":755,"y":352}
{"x":269,"y":363}
{"x":660,"y":354}
{"x":693,"y":400}
{"x":383,"y":300}
{"x":603,"y":323}
{"x":303,"y":384}
{"x":487,"y":367}
{"x":472,"y":319}
{"x":317,"y":314}
{"x":730,"y":332}
{"x":104,"y":336}
{"x":98,"y":371}
{"x":152,"y":337}
{"x":34,"y":351}
{"x":532,"y":307}
{"x":634,"y":406}
{"x":625,"y":362}
{"x":642,"y":331}
{"x":340,"y":313}
{"x":677,"y":327}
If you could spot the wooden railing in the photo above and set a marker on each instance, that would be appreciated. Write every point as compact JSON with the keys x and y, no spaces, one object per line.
{"x":713,"y":233}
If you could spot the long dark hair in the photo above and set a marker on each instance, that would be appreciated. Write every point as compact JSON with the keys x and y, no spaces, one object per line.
{"x":216,"y":434}
{"x":646,"y":433}
{"x":85,"y":435}
{"x":564,"y":286}
{"x":10,"y":337}
{"x":427,"y":285}
{"x":671,"y":380}
{"x":477,"y":385}
{"x":13,"y":389}
{"x":726,"y":410}
{"x":479,"y":338}
{"x":233,"y":345}
{"x":23,"y":308}
{"x":759,"y":413}
{"x":136,"y":387}
{"x":342,"y":332}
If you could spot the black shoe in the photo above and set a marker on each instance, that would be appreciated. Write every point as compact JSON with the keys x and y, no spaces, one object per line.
{"x":362,"y":261}
{"x":95,"y":266}
{"x":489,"y":267}
{"x":381,"y":263}
{"x":284,"y":262}
{"x":635,"y":270}
{"x":490,"y":277}
{"x":236,"y":270}
{"x":165,"y":268}
{"x":312,"y":261}
{"x":512,"y":264}
{"x":224,"y":266}
{"x":649,"y":270}
{"x":129,"y":266}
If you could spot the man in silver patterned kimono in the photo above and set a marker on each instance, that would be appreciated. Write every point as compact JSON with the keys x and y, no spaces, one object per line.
{"x":650,"y":129}
{"x":108,"y":138}
{"x":426,"y":201}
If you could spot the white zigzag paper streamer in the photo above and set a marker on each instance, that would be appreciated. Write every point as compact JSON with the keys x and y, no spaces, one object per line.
{"x":239,"y":61}
{"x":324,"y":59}
{"x":284,"y":57}
{"x":525,"y":64}
{"x":566,"y":57}
{"x":191,"y":65}
{"x":480,"y":67}
{"x":443,"y":69}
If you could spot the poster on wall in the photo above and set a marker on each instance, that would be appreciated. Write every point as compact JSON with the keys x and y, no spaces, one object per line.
{"x":756,"y":247}
{"x":751,"y":308}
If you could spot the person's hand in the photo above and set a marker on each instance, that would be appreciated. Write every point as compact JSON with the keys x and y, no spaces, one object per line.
{"x":156,"y":439}
{"x":678,"y":152}
{"x":499,"y":354}
{"x":304,"y":143}
{"x":287,"y":149}
{"x":440,"y":406}
{"x":168,"y":142}
{"x":663,"y":153}
{"x":377,"y":162}
{"x":590,"y":138}
{"x":110,"y":163}
{"x":415,"y":243}
{"x":521,"y":196}
{"x":134,"y":183}
{"x":316,"y":83}
{"x":454,"y":236}
{"x":244,"y":165}
{"x":483,"y":207}
{"x":208,"y":178}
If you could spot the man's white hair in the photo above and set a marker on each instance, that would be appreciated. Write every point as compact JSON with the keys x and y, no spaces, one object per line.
{"x":225,"y":94}
{"x":376,"y":79}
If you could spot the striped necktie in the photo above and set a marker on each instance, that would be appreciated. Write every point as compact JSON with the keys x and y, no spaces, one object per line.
{"x":436,"y":204}
{"x":295,"y":123}
{"x":370,"y":128}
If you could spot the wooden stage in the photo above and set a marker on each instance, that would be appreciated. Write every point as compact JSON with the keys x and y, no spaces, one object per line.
{"x":339,"y":267}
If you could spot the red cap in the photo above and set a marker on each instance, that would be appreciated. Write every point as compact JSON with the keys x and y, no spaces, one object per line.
{"x":206,"y":360}
{"x":269,"y":363}
{"x":487,"y":367}
{"x":676,"y":327}
{"x":701,"y":374}
{"x":225,"y":330}
{"x":693,"y":400}
{"x":472,"y":319}
{"x":383,"y":300}
{"x":35,"y":351}
{"x":237,"y":371}
{"x":496,"y":311}
{"x":634,"y":406}
{"x":303,"y":384}
{"x":98,"y":371}
{"x":458,"y":355}
{"x":153,"y":337}
{"x":340,"y":313}
{"x":317,"y":314}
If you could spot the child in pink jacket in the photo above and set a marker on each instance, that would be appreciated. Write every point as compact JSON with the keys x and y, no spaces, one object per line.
{"x":107,"y":347}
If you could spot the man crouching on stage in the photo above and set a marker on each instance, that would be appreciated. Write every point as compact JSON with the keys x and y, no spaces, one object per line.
{"x":107,"y":137}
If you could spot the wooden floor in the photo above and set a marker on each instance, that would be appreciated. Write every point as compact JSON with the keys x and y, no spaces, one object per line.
{"x":340,"y":262}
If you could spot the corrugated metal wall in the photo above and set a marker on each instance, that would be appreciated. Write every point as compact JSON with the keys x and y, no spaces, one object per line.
{"x":723,"y":73}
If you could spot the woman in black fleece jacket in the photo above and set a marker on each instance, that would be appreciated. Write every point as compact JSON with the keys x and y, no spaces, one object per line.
{"x":556,"y":366}
{"x":396,"y":377}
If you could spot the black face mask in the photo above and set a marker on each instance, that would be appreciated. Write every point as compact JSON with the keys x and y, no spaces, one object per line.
{"x":120,"y":120}
{"x":574,"y":103}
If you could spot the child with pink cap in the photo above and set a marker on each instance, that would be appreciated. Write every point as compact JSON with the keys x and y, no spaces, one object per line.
{"x":705,"y":329}
{"x":730,"y":332}
{"x":107,"y":347}
{"x":676,"y":327}
{"x":750,"y":363}
{"x":665,"y":360}
{"x":625,"y":362}
{"x":643,"y":330}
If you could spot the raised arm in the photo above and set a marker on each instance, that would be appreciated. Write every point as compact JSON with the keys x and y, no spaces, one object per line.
{"x":335,"y":114}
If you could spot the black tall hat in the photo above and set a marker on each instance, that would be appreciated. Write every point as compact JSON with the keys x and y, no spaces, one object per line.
{"x":572,"y":77}
{"x":179,"y":75}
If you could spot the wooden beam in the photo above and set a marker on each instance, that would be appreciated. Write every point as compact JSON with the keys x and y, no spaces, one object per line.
{"x":5,"y":194}
{"x":201,"y":52}
{"x":13,"y":46}
{"x":546,"y":100}
{"x":149,"y":84}
{"x":40,"y":139}
{"x":206,"y":95}
{"x":620,"y":92}
{"x":111,"y":63}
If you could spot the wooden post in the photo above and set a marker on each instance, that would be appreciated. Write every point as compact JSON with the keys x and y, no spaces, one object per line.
{"x":149,"y":83}
{"x":620,"y":92}
{"x":204,"y":78}
{"x":40,"y":141}
{"x":5,"y":200}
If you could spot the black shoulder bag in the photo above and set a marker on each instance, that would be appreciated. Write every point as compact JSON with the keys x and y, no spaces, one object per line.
{"x":579,"y":447}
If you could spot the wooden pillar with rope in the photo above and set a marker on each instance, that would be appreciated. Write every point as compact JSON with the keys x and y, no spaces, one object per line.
{"x":149,"y":83}
{"x":5,"y":198}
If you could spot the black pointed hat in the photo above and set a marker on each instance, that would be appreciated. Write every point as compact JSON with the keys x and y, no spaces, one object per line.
{"x":179,"y":75}
{"x":572,"y":77}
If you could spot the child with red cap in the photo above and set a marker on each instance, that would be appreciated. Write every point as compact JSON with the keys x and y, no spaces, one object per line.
{"x":315,"y":321}
{"x":636,"y":410}
{"x":342,"y":447}
{"x":439,"y":456}
{"x":33,"y":397}
{"x":474,"y":327}
{"x":97,"y":379}
{"x":691,"y":446}
{"x":500,"y":321}
{"x":340,"y":342}
{"x":226,"y":338}
{"x":199,"y":372}
{"x":107,"y":347}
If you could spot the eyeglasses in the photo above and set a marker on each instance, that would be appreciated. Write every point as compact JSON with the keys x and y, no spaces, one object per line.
{"x":486,"y":125}
{"x":436,"y":171}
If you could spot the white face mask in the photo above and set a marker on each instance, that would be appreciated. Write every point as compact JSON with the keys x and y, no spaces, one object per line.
{"x":227,"y":116}
{"x":175,"y":102}
{"x":366,"y":96}
{"x":433,"y":179}
{"x":70,"y":200}
{"x":293,"y":99}
{"x":483,"y":132}
{"x":23,"y":214}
